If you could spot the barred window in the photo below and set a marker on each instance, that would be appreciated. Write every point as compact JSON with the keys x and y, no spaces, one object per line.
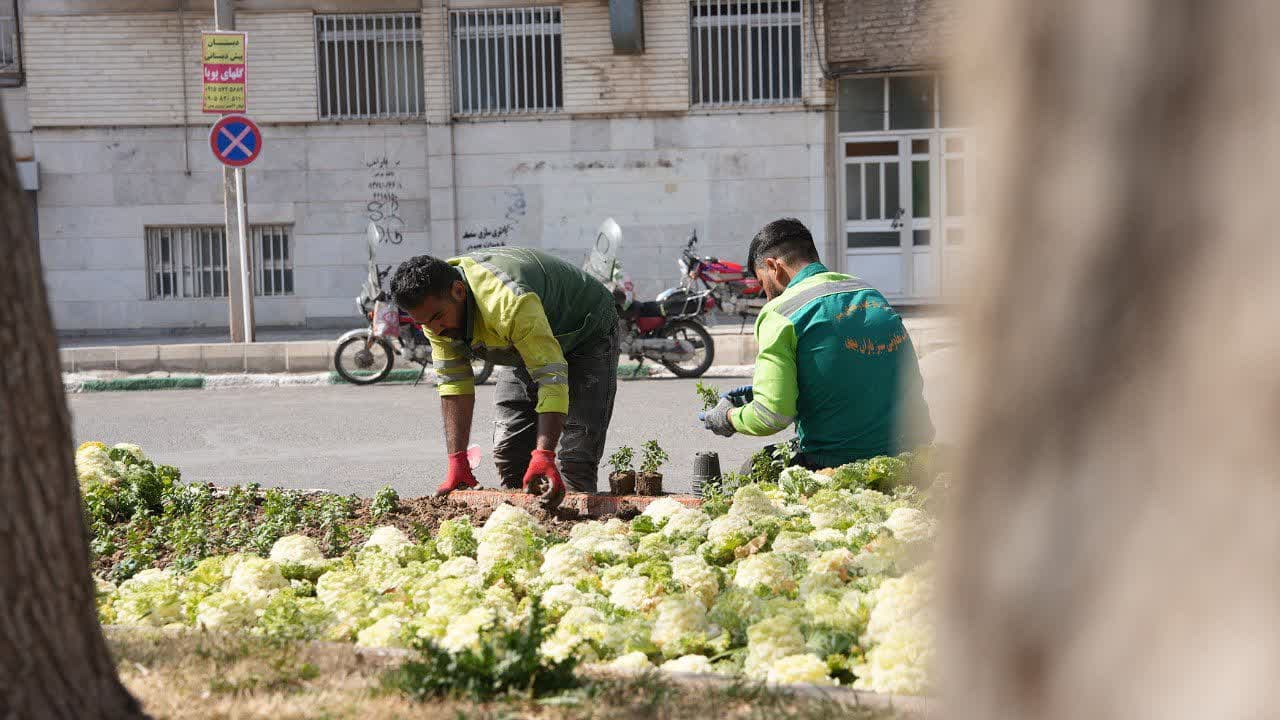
{"x":369,"y":66}
{"x":10,"y":53}
{"x":506,"y":61}
{"x":744,"y":52}
{"x":895,"y":102}
{"x":192,"y":262}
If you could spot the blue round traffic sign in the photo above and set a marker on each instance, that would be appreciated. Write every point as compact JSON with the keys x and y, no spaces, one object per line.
{"x":235,"y":140}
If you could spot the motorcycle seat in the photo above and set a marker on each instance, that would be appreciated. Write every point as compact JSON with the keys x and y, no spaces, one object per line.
{"x":648,"y":308}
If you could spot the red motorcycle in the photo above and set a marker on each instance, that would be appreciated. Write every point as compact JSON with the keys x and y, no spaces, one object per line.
{"x":732,"y":290}
{"x":666,"y":330}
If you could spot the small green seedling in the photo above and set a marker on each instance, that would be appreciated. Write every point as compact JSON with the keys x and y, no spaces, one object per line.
{"x":384,"y":503}
{"x":710,"y":395}
{"x":652,"y":457}
{"x":622,"y":459}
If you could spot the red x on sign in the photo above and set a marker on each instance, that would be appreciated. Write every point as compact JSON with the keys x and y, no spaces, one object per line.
{"x":235,"y":140}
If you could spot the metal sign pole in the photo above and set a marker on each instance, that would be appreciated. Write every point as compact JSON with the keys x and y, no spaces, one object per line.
{"x":246,"y":256}
{"x":239,"y":290}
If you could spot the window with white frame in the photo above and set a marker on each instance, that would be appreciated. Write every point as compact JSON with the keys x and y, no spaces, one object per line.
{"x":185,"y":262}
{"x":506,"y":61}
{"x":369,"y":66}
{"x":743,"y":52}
{"x":896,"y":102}
{"x":10,"y":50}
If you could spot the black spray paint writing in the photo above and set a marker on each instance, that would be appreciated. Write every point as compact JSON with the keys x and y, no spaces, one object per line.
{"x":384,"y":199}
{"x":517,"y":206}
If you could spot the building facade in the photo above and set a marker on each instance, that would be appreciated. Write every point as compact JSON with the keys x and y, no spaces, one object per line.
{"x":467,"y":123}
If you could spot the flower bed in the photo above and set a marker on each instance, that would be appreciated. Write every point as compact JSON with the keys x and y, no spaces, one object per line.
{"x":820,"y":578}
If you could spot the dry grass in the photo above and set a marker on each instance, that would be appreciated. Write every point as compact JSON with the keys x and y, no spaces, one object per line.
{"x":193,"y":675}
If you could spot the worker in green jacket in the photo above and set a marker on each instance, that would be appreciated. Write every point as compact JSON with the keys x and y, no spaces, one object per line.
{"x":834,"y":358}
{"x":555,"y":324}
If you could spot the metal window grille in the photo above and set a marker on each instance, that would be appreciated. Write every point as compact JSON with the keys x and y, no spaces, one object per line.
{"x":10,"y":57}
{"x":744,"y":52}
{"x":506,"y":61}
{"x":273,"y":272}
{"x":369,"y":66}
{"x":191,"y":262}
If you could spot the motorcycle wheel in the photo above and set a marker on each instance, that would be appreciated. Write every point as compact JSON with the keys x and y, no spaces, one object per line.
{"x":704,"y":348}
{"x":355,"y":368}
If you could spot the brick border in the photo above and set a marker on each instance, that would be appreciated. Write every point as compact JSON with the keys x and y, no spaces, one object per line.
{"x":587,"y":505}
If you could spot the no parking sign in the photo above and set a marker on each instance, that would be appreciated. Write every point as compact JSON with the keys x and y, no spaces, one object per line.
{"x":235,"y":140}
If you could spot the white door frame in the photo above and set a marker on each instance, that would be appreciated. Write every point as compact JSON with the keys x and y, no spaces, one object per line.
{"x":907,"y":223}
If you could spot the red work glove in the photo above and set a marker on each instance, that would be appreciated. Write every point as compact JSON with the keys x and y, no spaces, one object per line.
{"x":543,"y":462}
{"x":460,"y":474}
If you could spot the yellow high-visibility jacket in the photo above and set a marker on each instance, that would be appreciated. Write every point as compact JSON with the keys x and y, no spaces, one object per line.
{"x":524,"y":307}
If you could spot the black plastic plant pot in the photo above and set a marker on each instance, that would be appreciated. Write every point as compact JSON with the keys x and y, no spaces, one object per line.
{"x":706,"y":470}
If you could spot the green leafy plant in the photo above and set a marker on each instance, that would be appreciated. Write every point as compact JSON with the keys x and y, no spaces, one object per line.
{"x":622,"y":459}
{"x":334,"y":511}
{"x":767,"y":464}
{"x":510,"y":662}
{"x":385,"y":502}
{"x":709,"y":394}
{"x":652,"y":457}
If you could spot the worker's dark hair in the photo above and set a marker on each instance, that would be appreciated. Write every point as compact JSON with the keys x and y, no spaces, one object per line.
{"x":786,"y":239}
{"x":420,"y":277}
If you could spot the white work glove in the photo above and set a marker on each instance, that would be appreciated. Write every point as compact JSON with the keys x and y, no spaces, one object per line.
{"x":717,"y":419}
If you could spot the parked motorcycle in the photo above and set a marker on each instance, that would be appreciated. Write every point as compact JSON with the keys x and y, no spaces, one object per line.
{"x":665,"y":330}
{"x":366,"y":355}
{"x":733,"y":290}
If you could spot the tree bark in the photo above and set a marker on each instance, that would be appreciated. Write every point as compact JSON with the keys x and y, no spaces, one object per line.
{"x":54,"y":661}
{"x":1113,"y":551}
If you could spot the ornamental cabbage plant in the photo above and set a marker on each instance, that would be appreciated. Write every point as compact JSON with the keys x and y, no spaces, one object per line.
{"x":821,"y":578}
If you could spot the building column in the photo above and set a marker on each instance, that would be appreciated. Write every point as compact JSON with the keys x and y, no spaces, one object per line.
{"x":442,"y":202}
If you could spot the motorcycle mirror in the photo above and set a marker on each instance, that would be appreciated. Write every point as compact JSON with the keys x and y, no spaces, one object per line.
{"x":605,"y":253}
{"x":374,"y":235}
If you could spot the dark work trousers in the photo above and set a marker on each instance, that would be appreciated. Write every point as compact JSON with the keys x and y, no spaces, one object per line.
{"x":593,"y":383}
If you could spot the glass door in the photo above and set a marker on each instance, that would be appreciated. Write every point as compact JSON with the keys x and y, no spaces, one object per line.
{"x":873,"y":213}
{"x":920,"y":214}
{"x":889,"y":189}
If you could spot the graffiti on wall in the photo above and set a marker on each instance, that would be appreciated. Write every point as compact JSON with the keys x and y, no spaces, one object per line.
{"x":487,"y":236}
{"x":383,"y":208}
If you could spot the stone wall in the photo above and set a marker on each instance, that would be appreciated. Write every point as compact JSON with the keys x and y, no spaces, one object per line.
{"x":875,"y":35}
{"x":544,"y":184}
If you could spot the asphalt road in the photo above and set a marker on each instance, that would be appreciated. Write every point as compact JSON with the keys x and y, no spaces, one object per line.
{"x":358,"y":439}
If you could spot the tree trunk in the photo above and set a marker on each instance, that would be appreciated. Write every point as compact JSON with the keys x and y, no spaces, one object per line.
{"x":54,"y":661}
{"x":1113,"y":552}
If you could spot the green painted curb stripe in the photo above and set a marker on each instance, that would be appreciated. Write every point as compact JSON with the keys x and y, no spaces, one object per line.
{"x":396,"y":375}
{"x":169,"y":383}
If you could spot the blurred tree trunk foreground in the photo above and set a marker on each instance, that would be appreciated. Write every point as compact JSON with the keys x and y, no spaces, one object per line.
{"x":54,"y":662}
{"x":1115,"y":552}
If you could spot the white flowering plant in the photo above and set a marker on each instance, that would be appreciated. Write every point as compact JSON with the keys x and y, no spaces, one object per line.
{"x":816,"y":577}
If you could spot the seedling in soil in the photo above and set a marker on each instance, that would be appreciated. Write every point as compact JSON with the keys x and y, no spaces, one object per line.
{"x":710,"y":395}
{"x":384,"y":503}
{"x":622,"y":459}
{"x":622,"y":481}
{"x":652,"y":458}
{"x":649,"y":481}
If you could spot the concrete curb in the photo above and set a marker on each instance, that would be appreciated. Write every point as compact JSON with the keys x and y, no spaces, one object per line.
{"x":84,"y":382}
{"x":298,"y":356}
{"x":905,"y":705}
{"x":140,"y":383}
{"x":908,"y":705}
